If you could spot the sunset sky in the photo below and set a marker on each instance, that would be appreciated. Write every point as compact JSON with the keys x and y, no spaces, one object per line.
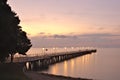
{"x":51,"y":23}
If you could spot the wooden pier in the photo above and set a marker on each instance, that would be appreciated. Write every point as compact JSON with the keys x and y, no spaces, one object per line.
{"x":40,"y":62}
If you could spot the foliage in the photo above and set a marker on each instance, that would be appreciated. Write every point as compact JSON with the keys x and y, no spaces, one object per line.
{"x":12,"y":38}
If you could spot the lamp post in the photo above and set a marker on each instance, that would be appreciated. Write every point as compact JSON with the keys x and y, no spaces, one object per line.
{"x":65,"y":49}
{"x":43,"y":50}
{"x":54,"y":50}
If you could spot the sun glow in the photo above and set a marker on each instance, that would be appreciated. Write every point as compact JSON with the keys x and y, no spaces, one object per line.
{"x":35,"y":28}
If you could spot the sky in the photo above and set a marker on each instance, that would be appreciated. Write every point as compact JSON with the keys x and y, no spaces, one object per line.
{"x":58,"y":23}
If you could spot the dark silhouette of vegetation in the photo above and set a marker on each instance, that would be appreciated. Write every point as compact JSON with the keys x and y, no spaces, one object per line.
{"x":12,"y":39}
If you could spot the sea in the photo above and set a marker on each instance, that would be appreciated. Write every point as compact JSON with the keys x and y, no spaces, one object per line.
{"x":102,"y":65}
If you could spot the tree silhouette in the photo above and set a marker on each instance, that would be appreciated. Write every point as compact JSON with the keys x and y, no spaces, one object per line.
{"x":12,"y":39}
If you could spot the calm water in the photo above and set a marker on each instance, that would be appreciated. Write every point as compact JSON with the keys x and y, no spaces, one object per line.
{"x":103,"y":65}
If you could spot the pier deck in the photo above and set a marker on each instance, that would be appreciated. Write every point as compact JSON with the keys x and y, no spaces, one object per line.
{"x":36,"y":61}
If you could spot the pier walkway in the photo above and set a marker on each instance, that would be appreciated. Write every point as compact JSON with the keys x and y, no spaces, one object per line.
{"x":60,"y":55}
{"x":42,"y":61}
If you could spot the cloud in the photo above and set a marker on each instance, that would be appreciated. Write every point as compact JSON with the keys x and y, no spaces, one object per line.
{"x":75,"y":36}
{"x":63,"y":36}
{"x":59,"y":36}
{"x":100,"y":34}
{"x":94,"y":40}
{"x":101,"y":28}
{"x":55,"y":36}
{"x":42,"y":33}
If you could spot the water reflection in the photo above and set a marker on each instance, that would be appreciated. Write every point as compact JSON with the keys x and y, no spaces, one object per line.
{"x":85,"y":60}
{"x":70,"y":66}
{"x":103,"y":65}
{"x":54,"y":69}
{"x":65,"y":67}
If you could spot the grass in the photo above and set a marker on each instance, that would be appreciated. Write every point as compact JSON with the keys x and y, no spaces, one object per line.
{"x":12,"y":71}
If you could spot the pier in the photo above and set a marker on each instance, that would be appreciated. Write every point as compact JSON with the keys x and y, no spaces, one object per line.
{"x":40,"y":62}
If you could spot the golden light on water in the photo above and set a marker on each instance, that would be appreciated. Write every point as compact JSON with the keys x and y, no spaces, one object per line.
{"x":54,"y":70}
{"x":65,"y":67}
{"x":85,"y":60}
{"x":81,"y":64}
{"x":72,"y":62}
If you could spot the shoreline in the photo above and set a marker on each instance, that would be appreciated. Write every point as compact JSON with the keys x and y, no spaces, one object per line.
{"x":45,"y":76}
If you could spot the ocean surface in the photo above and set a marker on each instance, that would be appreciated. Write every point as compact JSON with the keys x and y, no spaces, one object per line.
{"x":102,"y":65}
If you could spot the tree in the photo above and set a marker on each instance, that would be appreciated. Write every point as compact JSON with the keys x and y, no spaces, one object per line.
{"x":12,"y":38}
